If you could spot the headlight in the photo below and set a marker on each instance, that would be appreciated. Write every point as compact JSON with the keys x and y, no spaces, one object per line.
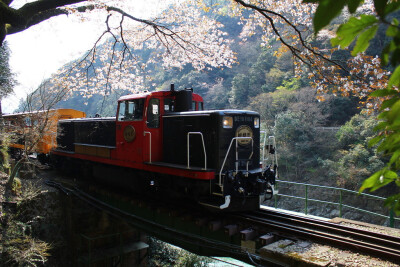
{"x":257,"y":122}
{"x":227,"y":122}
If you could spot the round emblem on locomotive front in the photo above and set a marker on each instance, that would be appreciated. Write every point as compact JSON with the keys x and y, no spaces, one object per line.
{"x":129,"y":133}
{"x":244,"y":131}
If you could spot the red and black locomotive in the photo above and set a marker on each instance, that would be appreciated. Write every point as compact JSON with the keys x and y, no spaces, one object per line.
{"x":165,"y":142}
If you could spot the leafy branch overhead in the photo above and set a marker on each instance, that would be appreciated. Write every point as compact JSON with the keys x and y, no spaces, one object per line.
{"x":178,"y":36}
{"x":290,"y":23}
{"x":17,"y":20}
{"x":361,"y":30}
{"x":300,"y":49}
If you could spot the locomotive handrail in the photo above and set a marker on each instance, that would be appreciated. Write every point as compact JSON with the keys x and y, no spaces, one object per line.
{"x":263,"y":147}
{"x":271,"y":142}
{"x":144,"y":134}
{"x":236,"y":164}
{"x":188,"y":149}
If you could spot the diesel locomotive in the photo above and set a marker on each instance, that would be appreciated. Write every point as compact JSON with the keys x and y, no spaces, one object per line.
{"x":164,"y":142}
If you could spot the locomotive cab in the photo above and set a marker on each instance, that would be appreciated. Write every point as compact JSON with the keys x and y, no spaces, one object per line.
{"x":139,"y":122}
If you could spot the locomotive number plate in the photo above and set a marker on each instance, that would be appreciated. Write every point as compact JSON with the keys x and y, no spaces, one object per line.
{"x":244,"y":131}
{"x":129,"y":133}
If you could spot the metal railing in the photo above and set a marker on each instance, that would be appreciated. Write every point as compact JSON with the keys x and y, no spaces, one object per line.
{"x":268,"y":144}
{"x":188,"y":148}
{"x":340,"y":204}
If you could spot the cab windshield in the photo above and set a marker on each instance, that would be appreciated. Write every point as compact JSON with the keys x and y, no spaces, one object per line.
{"x":131,"y":110}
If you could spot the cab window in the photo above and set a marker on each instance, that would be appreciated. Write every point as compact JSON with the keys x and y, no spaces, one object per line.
{"x":131,"y":110}
{"x":198,"y":106}
{"x":153,"y":113}
{"x":168,"y":105}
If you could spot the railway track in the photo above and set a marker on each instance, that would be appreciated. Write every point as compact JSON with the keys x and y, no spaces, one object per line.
{"x":324,"y":232}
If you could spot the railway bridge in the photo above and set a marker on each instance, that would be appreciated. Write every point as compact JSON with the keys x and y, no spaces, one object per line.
{"x":267,"y":237}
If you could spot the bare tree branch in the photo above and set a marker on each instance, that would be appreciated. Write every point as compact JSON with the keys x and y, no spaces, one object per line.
{"x":16,"y":20}
{"x":295,"y":51}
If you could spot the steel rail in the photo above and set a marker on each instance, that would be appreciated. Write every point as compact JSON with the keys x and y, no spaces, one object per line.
{"x":356,"y":233}
{"x":296,"y":228}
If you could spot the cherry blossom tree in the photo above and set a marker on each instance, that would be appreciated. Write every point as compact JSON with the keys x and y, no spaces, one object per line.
{"x":183,"y":35}
{"x":7,"y":80}
{"x":291,"y":23}
{"x":14,"y":20}
{"x":178,"y":36}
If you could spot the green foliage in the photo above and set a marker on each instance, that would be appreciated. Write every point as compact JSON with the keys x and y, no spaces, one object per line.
{"x":164,"y":254}
{"x":292,"y":84}
{"x":20,"y":245}
{"x":160,"y":253}
{"x":299,"y":141}
{"x":327,"y":10}
{"x":16,"y":186}
{"x":14,"y":172}
{"x":217,"y":96}
{"x":240,"y":89}
{"x":388,"y":141}
{"x":339,"y":109}
{"x":187,"y":259}
{"x":359,"y":130}
{"x":7,"y":80}
{"x":362,"y":30}
{"x":354,"y":160}
{"x":25,"y":251}
{"x":273,"y":79}
{"x":269,"y":105}
{"x":4,"y":143}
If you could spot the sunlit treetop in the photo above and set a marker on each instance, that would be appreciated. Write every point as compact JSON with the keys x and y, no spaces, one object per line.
{"x":178,"y":36}
{"x":292,"y":23}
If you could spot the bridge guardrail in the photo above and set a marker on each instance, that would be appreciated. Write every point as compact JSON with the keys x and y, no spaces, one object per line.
{"x":391,"y":217}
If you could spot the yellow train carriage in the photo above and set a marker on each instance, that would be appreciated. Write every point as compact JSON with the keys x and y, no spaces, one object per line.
{"x":36,"y":131}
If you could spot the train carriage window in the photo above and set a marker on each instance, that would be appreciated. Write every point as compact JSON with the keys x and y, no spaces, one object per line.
{"x":153,"y":113}
{"x":131,"y":110}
